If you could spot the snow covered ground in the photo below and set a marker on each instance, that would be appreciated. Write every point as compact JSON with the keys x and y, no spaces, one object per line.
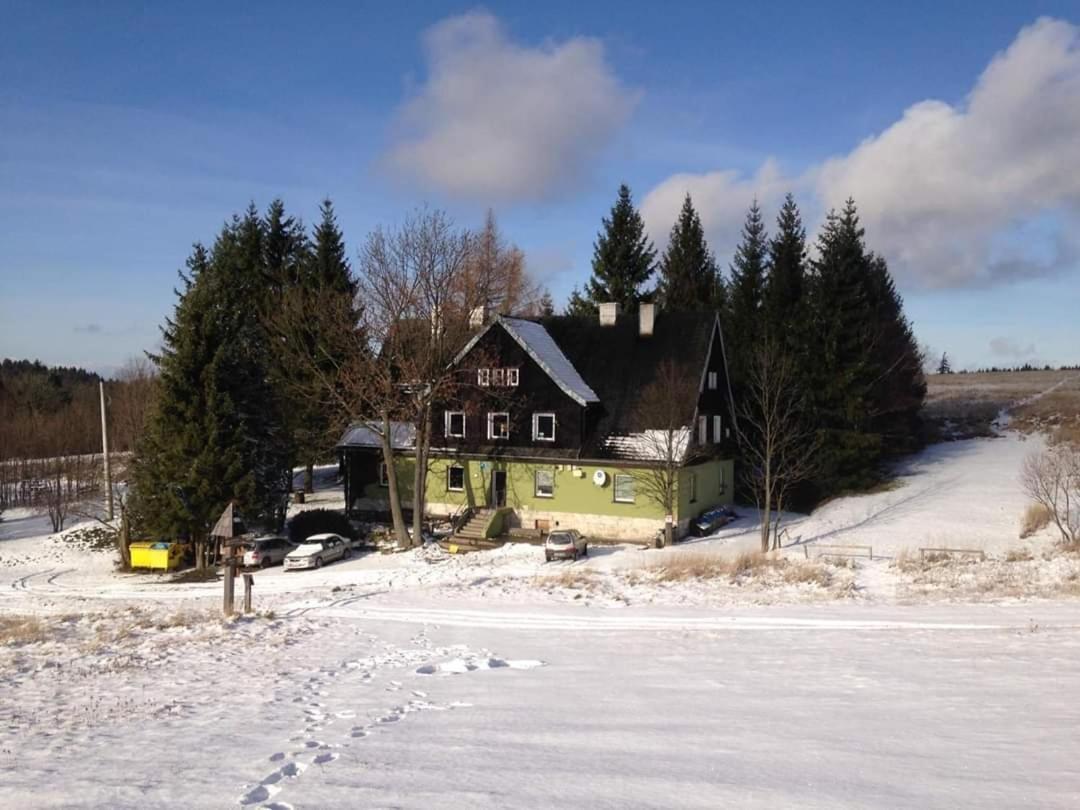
{"x":624,"y":680}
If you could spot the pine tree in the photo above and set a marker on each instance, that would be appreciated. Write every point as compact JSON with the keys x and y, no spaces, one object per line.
{"x":689,"y":279}
{"x":326,"y":277}
{"x":546,"y":305}
{"x":623,"y":257}
{"x":579,"y":306}
{"x":743,"y":322}
{"x":215,"y":434}
{"x":843,"y":331}
{"x":944,"y":367}
{"x":785,"y":283}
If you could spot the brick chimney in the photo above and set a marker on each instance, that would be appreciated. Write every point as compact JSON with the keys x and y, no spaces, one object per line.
{"x":646,"y":318}
{"x":609,"y":312}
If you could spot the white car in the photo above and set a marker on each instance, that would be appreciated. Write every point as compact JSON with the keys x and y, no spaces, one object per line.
{"x":566,"y":543}
{"x":318,"y":550}
{"x":263,"y":552}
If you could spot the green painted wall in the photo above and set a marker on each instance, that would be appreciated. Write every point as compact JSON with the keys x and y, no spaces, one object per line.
{"x":574,"y":491}
{"x":714,"y":486}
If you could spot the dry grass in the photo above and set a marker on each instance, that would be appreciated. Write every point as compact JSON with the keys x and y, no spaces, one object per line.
{"x":573,"y":579}
{"x":1036,"y":518}
{"x":745,"y":566}
{"x":23,"y":630}
{"x":1019,"y":555}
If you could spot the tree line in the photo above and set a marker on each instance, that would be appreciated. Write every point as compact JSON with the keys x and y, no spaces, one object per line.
{"x":826,"y":374}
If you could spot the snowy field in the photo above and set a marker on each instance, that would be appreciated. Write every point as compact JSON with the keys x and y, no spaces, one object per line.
{"x":496,"y":680}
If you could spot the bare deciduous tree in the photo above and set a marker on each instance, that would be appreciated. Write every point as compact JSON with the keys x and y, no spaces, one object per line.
{"x":394,"y":363}
{"x":664,"y":410}
{"x":1051,"y":477}
{"x":777,"y":443}
{"x":494,"y":275}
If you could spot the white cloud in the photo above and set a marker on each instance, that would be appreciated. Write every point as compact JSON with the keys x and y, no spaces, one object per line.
{"x":721,"y":199}
{"x":951,"y":194}
{"x":499,"y":120}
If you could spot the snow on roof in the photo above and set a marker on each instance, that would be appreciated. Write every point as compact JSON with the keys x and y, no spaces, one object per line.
{"x":368,"y":434}
{"x":542,"y":348}
{"x":650,"y":445}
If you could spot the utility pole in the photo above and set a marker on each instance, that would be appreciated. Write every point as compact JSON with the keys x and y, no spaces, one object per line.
{"x":105,"y":451}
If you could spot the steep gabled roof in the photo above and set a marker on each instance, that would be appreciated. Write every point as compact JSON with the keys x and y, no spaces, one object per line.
{"x":541,"y":347}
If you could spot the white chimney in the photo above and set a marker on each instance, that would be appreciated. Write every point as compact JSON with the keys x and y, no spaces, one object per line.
{"x":646,"y":318}
{"x":608,"y":314}
{"x":477,"y":317}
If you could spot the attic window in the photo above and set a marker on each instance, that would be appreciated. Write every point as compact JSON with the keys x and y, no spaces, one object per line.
{"x":498,"y":426}
{"x":702,"y":429}
{"x":498,"y":377}
{"x":712,"y":380}
{"x":455,"y":424}
{"x":717,"y":423}
{"x":544,"y":427}
{"x":483,"y":377}
{"x":512,"y":377}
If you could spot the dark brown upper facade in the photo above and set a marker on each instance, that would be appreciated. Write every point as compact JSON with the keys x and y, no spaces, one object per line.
{"x":570,"y":387}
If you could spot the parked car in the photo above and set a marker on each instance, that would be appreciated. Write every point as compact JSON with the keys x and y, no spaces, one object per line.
{"x":318,"y":550}
{"x":566,"y":543}
{"x":266,"y":551}
{"x":709,"y":522}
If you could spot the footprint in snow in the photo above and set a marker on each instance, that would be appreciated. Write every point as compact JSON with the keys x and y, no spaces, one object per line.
{"x":323,"y":759}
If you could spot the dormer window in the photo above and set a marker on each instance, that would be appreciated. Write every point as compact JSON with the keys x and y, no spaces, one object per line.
{"x":544,"y":427}
{"x":498,"y":426}
{"x":455,"y":424}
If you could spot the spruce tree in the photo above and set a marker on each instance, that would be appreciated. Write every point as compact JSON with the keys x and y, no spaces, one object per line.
{"x":623,"y":257}
{"x":578,"y":306}
{"x":689,"y":279}
{"x":216,"y":432}
{"x":842,"y":372}
{"x":784,"y":286}
{"x":944,"y":367}
{"x":746,"y":289}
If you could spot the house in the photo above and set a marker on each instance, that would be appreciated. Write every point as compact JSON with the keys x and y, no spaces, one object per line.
{"x":550,"y":428}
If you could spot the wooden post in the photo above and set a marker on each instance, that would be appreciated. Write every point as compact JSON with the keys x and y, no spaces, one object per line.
{"x":249,"y":582}
{"x":230,"y":574}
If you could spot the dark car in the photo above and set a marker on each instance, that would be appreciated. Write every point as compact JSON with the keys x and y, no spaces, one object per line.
{"x":708,"y":522}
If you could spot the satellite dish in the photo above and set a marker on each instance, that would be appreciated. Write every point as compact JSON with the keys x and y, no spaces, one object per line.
{"x":599,"y":478}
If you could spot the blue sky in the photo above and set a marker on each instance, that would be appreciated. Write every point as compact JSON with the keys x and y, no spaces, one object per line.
{"x":129,"y":131}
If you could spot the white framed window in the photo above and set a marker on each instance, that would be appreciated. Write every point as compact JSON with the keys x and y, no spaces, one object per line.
{"x":498,"y":426}
{"x":483,"y":377}
{"x":713,"y":380}
{"x":455,"y":479}
{"x":512,"y":377}
{"x":717,"y":423}
{"x":498,"y":377}
{"x":383,"y":480}
{"x":455,"y":424}
{"x":702,"y":429}
{"x":544,"y":427}
{"x":623,"y":488}
{"x":691,"y":487}
{"x":545,"y":483}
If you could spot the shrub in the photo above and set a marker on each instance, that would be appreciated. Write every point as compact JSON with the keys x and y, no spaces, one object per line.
{"x":319,"y":521}
{"x":1036,"y":518}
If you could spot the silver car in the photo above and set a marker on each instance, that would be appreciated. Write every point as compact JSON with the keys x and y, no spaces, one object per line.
{"x":566,"y":543}
{"x":318,"y":550}
{"x":263,"y":552}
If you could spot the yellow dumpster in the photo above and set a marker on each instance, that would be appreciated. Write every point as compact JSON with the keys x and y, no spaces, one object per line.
{"x":158,"y":555}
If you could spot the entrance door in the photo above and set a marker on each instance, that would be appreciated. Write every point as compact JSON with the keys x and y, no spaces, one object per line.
{"x":498,"y":488}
